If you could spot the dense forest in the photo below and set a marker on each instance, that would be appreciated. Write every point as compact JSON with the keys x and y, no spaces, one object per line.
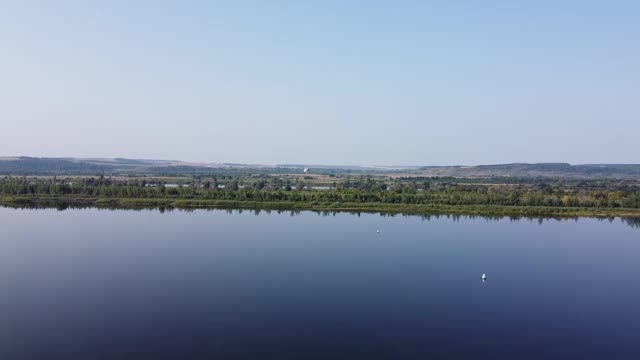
{"x":358,"y":190}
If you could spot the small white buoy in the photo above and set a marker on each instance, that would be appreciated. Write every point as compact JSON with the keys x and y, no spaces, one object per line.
{"x":484,"y":277}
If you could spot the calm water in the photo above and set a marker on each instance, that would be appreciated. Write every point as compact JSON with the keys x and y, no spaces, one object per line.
{"x":100,"y":284}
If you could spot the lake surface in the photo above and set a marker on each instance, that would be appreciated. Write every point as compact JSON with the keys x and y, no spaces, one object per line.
{"x":104,"y":284}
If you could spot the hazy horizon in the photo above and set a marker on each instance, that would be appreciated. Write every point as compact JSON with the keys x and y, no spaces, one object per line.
{"x":392,"y":83}
{"x":398,"y":165}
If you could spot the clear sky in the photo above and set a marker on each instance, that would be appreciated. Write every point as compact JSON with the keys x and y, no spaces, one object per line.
{"x":331,"y":82}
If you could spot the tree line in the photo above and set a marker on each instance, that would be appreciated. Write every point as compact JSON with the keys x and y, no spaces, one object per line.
{"x":348,"y":191}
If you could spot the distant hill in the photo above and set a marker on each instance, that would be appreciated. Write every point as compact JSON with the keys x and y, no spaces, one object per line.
{"x":50,"y":166}
{"x":73,"y":166}
{"x":538,"y":170}
{"x":23,"y":165}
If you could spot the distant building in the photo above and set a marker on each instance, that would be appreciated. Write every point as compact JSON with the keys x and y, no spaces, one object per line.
{"x":306,"y":170}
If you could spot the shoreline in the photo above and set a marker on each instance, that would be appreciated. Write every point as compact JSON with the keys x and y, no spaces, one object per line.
{"x":409,"y":209}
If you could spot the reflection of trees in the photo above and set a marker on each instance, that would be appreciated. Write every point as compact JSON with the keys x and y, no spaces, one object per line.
{"x":634,"y":222}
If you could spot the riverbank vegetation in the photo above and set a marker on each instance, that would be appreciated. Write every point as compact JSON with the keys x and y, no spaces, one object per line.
{"x":524,"y":197}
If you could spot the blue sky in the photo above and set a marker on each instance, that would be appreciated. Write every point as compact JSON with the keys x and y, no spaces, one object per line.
{"x":331,"y":82}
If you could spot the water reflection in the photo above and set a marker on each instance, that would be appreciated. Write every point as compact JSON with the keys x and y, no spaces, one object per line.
{"x":247,"y":284}
{"x":633,"y":222}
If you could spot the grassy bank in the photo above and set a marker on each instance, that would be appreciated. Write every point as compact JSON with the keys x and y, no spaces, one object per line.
{"x":486,"y":210}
